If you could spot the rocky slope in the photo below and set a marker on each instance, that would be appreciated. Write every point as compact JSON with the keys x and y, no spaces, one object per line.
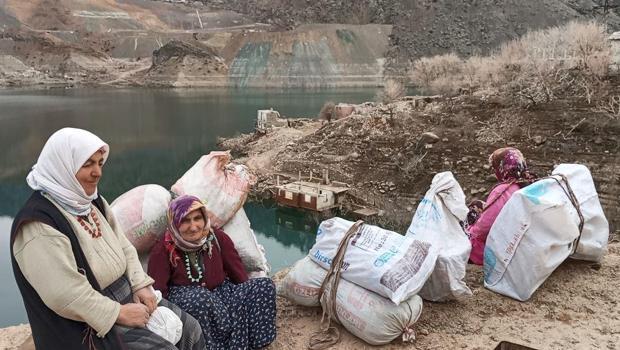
{"x":428,"y":27}
{"x":263,"y":43}
{"x":383,"y":152}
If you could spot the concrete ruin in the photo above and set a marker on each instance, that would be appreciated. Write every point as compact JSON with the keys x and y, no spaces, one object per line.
{"x":267,"y":119}
{"x":312,"y":196}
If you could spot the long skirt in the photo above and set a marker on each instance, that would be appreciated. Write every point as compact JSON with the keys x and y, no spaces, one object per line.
{"x":144,"y":339}
{"x":232,"y":316}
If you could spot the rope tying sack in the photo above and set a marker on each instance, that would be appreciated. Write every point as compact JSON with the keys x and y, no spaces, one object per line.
{"x":329,"y":335}
{"x":568,"y":191}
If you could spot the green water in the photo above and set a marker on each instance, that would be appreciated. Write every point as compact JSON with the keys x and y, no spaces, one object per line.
{"x":154,"y":136}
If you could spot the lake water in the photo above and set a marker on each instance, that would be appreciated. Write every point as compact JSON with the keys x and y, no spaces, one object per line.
{"x":154,"y":137}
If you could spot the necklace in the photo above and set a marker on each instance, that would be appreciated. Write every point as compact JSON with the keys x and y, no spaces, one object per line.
{"x":188,"y":269}
{"x":93,"y":229}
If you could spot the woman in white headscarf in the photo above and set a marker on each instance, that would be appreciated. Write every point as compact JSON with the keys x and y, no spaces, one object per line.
{"x":82,"y":283}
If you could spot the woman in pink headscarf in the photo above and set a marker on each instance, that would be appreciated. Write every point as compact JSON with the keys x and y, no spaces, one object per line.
{"x":512,"y":173}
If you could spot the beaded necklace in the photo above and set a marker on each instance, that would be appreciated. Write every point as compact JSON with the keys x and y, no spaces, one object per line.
{"x":93,"y":229}
{"x":188,"y":268}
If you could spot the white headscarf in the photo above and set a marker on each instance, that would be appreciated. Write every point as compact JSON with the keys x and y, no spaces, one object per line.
{"x":62,"y":156}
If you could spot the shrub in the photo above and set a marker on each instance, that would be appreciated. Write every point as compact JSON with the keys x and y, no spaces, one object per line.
{"x":327,"y":111}
{"x":567,"y":61}
{"x":427,"y":70}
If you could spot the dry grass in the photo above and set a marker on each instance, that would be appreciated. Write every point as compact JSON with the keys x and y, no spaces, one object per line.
{"x":610,"y":107}
{"x":567,"y":61}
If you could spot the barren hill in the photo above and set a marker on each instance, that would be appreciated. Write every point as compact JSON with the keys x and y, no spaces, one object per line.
{"x":264,"y":43}
{"x":428,"y":27}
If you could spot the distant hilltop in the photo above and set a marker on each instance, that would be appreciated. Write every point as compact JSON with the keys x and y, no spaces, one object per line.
{"x":286,"y":43}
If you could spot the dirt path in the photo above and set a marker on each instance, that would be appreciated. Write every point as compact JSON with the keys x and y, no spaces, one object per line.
{"x":123,"y":76}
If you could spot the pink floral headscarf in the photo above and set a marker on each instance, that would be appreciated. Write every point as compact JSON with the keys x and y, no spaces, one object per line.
{"x":509,"y":164}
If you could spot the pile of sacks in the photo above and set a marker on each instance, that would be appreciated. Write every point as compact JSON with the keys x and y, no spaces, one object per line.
{"x":540,"y":227}
{"x":384,"y":274}
{"x":223,"y":186}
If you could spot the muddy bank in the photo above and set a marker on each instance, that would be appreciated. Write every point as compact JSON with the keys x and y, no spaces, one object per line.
{"x":382,"y":153}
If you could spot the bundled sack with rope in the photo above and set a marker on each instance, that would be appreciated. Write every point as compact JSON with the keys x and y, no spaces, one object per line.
{"x":141,"y":214}
{"x":539,"y":227}
{"x":595,"y":233}
{"x":371,"y":317}
{"x":385,"y":262}
{"x":251,"y":253}
{"x":367,"y":315}
{"x":437,"y":220}
{"x":223,"y":186}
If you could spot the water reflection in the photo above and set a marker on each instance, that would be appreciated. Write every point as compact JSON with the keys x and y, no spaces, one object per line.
{"x":154,"y":135}
{"x":294,"y":232}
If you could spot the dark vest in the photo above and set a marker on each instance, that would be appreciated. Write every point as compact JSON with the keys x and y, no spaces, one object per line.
{"x":50,"y":331}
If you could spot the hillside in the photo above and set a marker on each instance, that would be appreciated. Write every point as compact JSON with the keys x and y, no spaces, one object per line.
{"x":429,"y":27}
{"x":279,"y":43}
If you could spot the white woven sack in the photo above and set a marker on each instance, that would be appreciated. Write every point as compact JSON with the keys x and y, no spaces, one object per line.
{"x":369,"y":316}
{"x":302,"y":283}
{"x":532,"y":235}
{"x":373,"y":318}
{"x":222,"y":185}
{"x":595,"y":234}
{"x":252,"y":254}
{"x":141,"y":214}
{"x":383,"y":261}
{"x":437,"y":220}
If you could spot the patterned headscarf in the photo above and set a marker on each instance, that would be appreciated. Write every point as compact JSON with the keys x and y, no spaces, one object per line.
{"x":177,"y":211}
{"x":509,"y":164}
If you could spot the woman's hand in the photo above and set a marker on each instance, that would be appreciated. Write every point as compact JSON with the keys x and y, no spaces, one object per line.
{"x":133,"y":315}
{"x":146,"y":297}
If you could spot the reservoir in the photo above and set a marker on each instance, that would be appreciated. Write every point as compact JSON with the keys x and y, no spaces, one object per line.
{"x":155,"y":135}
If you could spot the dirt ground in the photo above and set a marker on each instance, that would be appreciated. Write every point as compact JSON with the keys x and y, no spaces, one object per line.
{"x":383,"y":152}
{"x":576,"y":308}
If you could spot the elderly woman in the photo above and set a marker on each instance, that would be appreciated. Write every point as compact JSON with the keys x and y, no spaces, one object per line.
{"x":199,"y":269}
{"x":512,"y":173}
{"x":80,"y":278}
